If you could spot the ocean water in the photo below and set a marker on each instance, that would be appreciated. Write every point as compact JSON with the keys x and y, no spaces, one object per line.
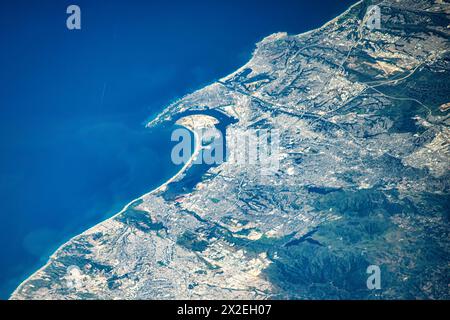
{"x":73,"y":104}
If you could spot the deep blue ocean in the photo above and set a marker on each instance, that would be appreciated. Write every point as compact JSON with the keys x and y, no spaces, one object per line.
{"x":73,"y":104}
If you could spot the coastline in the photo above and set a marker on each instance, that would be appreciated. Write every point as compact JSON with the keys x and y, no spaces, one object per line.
{"x":161,"y":115}
{"x":159,"y":118}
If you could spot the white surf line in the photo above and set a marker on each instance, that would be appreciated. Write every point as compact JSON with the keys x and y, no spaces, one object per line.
{"x":198,"y":148}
